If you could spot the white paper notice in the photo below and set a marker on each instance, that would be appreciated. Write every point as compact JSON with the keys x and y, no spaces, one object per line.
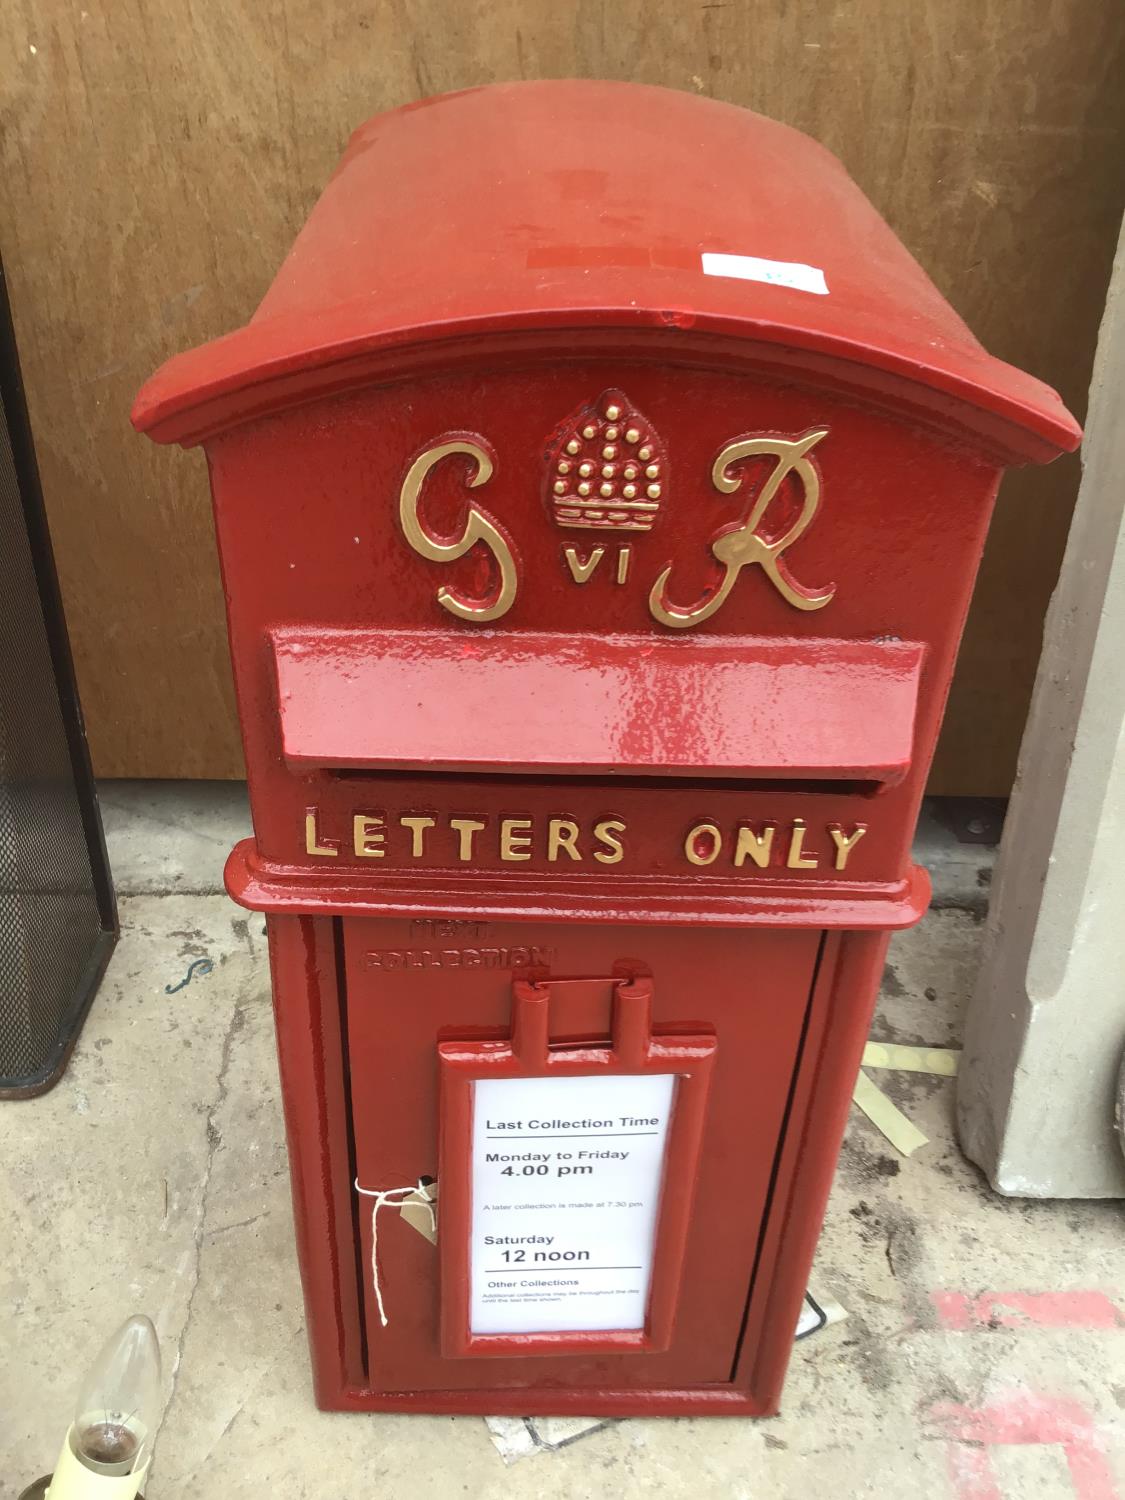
{"x":791,"y":273}
{"x":566,"y":1188}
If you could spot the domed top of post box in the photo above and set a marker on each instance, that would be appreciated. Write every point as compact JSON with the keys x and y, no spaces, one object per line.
{"x":585,"y":217}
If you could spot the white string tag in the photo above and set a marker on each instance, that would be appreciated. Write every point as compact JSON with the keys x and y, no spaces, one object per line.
{"x":420,"y":1193}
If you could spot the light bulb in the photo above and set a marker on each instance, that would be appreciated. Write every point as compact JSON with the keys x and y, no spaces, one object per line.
{"x":119,"y":1402}
{"x":106,"y":1452}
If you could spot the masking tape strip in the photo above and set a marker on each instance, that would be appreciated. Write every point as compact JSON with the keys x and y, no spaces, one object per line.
{"x":886,"y":1116}
{"x":940,"y":1060}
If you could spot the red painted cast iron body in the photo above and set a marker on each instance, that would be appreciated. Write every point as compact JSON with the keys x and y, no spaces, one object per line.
{"x":599,"y":491}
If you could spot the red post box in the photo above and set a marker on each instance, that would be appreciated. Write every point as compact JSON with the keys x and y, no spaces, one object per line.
{"x":599,"y":490}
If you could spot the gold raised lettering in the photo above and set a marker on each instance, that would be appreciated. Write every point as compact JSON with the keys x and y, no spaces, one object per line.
{"x":703,"y":856}
{"x":515,"y":840}
{"x":845,"y":842}
{"x":562,"y":835}
{"x":417,"y":828}
{"x":754,"y":846}
{"x":478,"y":527}
{"x":624,"y":558}
{"x":368,"y":836}
{"x":607,"y":831}
{"x":314,"y":844}
{"x":745,"y":545}
{"x":797,"y":858}
{"x":465,"y":828}
{"x":581,"y":569}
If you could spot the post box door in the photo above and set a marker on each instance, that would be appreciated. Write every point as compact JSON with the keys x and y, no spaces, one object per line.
{"x":411,"y":986}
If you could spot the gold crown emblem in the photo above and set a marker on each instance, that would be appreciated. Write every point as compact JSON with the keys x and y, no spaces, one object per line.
{"x":607,"y":469}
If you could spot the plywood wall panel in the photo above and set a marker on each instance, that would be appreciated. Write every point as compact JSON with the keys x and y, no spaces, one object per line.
{"x":158,"y":157}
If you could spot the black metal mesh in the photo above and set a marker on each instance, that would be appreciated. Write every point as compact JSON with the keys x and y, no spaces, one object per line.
{"x":57,"y":920}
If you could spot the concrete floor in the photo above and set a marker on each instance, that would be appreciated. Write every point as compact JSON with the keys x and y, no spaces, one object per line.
{"x":983,"y":1355}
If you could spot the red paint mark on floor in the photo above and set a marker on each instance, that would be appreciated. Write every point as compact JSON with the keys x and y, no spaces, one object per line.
{"x":960,"y":1313}
{"x":1022,"y":1418}
{"x":970,"y":1472}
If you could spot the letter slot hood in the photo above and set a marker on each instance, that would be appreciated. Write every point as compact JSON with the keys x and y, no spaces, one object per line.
{"x":582,"y":706}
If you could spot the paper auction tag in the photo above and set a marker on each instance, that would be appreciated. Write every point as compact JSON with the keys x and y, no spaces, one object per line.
{"x":566,"y":1179}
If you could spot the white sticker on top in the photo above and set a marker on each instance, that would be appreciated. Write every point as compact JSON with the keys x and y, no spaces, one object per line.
{"x":789,"y":273}
{"x":567,"y":1175}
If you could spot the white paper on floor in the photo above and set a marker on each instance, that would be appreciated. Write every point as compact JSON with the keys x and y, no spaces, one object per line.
{"x":520,"y":1437}
{"x":816,"y":1313}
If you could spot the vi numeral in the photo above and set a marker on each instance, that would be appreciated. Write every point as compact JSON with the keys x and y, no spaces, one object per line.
{"x":582,"y":568}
